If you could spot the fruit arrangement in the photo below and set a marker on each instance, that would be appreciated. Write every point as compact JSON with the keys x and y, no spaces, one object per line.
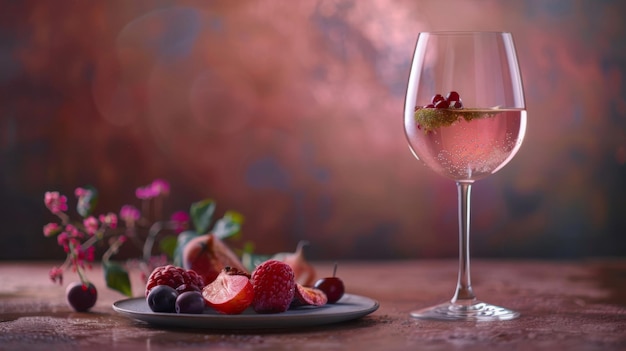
{"x":444,"y":111}
{"x":204,"y":271}
{"x":271,"y":288}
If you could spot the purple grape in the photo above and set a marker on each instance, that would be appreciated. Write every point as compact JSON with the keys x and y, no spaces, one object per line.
{"x":162,"y":298}
{"x":81,"y":296}
{"x":190,"y":302}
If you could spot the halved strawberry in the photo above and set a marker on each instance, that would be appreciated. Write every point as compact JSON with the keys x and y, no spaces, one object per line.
{"x":230,"y":293}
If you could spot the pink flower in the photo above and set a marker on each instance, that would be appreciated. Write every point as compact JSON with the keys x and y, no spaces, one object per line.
{"x":64,"y":240}
{"x":87,"y":254}
{"x":56,"y":274}
{"x":129,"y":214}
{"x":181,"y":221}
{"x":156,"y":188}
{"x":110,"y":219}
{"x":51,"y":229}
{"x":91,"y":225}
{"x":144,"y":193}
{"x":73,"y":232}
{"x":160,"y":187}
{"x":80,"y":192}
{"x":90,"y":254}
{"x":55,"y":202}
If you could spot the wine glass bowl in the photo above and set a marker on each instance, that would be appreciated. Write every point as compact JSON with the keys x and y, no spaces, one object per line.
{"x":465,"y":144}
{"x":465,"y":118}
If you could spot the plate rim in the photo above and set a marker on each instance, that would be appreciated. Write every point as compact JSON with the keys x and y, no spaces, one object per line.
{"x":289,"y":320}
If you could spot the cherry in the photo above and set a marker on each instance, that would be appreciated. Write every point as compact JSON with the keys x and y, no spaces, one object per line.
{"x":162,"y":298}
{"x":332,"y":286}
{"x":81,"y":296}
{"x":190,"y":302}
{"x":457,"y":104}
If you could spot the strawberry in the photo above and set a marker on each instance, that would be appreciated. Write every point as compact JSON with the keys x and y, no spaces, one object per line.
{"x":230,"y":293}
{"x":176,"y":277}
{"x":274,"y":287}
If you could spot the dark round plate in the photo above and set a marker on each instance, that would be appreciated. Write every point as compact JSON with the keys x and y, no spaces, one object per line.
{"x":348,"y":308}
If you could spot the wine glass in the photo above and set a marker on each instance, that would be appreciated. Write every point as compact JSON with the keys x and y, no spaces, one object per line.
{"x":465,"y":118}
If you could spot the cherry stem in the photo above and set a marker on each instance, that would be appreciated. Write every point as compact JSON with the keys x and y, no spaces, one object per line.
{"x":335,"y":270}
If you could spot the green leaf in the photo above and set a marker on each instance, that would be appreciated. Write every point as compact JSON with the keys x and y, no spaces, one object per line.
{"x":201,"y":214}
{"x":168,"y":244}
{"x":87,"y":203}
{"x":117,"y":278}
{"x":251,"y":260}
{"x":181,"y":241}
{"x":228,"y":225}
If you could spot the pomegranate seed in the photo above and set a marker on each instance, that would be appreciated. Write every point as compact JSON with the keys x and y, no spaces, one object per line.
{"x":442,"y":104}
{"x":453,"y":96}
{"x":437,"y":98}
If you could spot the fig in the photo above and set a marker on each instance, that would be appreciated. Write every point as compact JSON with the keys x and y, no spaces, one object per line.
{"x":307,"y":296}
{"x":303,"y":270}
{"x":207,"y":255}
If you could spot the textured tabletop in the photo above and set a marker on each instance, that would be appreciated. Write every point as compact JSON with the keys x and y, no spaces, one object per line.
{"x":564,"y":305}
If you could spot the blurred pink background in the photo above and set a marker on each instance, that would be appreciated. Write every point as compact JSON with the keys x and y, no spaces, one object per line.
{"x":291,"y":113}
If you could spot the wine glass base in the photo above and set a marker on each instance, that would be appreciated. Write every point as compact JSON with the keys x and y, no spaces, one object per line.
{"x":476,"y":311}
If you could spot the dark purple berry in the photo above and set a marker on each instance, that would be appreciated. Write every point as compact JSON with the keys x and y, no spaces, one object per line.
{"x":190,"y":302}
{"x":81,"y":296}
{"x":453,"y":96}
{"x":162,"y":298}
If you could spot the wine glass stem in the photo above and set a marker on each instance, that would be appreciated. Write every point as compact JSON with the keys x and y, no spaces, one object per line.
{"x":464,"y":293}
